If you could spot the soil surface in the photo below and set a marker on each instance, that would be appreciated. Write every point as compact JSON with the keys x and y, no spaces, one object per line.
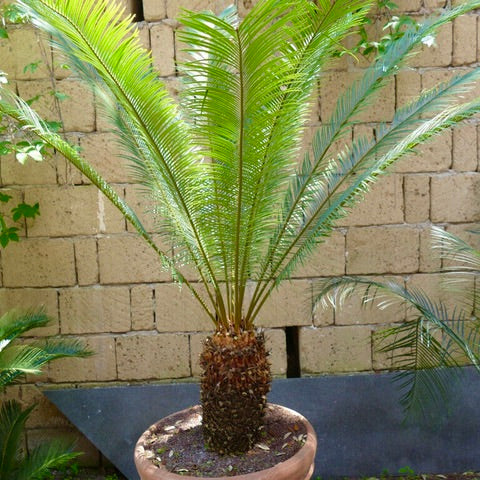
{"x":179,"y":446}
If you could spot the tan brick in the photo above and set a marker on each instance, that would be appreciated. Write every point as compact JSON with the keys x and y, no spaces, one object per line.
{"x":290,"y":304}
{"x":464,"y":40}
{"x":129,"y":259}
{"x":144,"y":34}
{"x":177,"y":310}
{"x":333,"y":83}
{"x":465,"y":148}
{"x":382,"y":205}
{"x":453,"y":197}
{"x":335,"y":349}
{"x":64,"y":211}
{"x":196,"y":346}
{"x":142,"y":307}
{"x":408,"y":5}
{"x":417,"y":198}
{"x":277,"y":346}
{"x":175,"y":7}
{"x":86,"y":261}
{"x":382,"y":250}
{"x":433,"y":156}
{"x":438,"y":55}
{"x":32,"y":299}
{"x":434,"y":4}
{"x":354,"y":312}
{"x":29,"y":46}
{"x":45,"y":414}
{"x":39,"y":263}
{"x":95,"y":310}
{"x":327,"y":259}
{"x":245,"y":5}
{"x":102,"y":151}
{"x":429,"y":259}
{"x":77,"y":110}
{"x":409,"y":85}
{"x":101,"y":366}
{"x":323,"y":315}
{"x":8,"y":62}
{"x":31,"y":173}
{"x":90,"y":455}
{"x":163,"y":49}
{"x":143,"y":357}
{"x":154,"y":10}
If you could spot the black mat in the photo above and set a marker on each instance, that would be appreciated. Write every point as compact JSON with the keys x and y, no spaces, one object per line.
{"x":357,"y":419}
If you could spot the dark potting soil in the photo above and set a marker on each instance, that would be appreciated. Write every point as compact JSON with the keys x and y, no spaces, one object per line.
{"x":179,"y":446}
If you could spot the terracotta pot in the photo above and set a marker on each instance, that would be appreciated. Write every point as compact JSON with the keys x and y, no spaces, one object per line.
{"x":298,"y":467}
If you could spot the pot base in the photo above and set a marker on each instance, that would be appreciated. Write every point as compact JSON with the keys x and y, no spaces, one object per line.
{"x":178,"y":440}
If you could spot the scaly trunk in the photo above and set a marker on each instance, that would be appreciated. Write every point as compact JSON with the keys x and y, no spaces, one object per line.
{"x":235,"y":381}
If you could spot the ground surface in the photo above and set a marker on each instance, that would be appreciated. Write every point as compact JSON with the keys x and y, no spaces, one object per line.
{"x":113,"y":475}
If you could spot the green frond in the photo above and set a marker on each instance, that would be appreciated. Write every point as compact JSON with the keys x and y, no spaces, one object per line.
{"x":12,"y":423}
{"x":106,"y":53}
{"x":15,"y":323}
{"x":43,"y":458}
{"x":425,"y":348}
{"x":453,"y":248}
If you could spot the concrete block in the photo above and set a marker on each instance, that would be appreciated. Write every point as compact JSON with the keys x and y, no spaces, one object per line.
{"x":453,"y":197}
{"x":143,"y":357}
{"x":95,"y":310}
{"x":417,"y":198}
{"x":335,"y":349}
{"x":39,"y":263}
{"x":142,"y":307}
{"x":177,"y":310}
{"x":128,"y":259}
{"x":100,"y":367}
{"x":382,"y":250}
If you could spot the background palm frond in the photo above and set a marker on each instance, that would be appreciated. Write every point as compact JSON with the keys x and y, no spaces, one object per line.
{"x":433,"y":340}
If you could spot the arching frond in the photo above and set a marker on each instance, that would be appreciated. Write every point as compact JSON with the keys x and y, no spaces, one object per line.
{"x":425,"y":348}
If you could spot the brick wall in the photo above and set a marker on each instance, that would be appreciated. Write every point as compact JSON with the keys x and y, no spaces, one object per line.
{"x":101,"y":283}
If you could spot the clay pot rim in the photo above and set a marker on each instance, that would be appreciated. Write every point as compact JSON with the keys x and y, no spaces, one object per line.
{"x":305,"y":454}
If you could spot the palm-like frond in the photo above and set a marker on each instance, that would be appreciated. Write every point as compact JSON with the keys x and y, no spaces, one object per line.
{"x":41,"y":459}
{"x":432,"y":341}
{"x":12,"y":423}
{"x":28,"y":358}
{"x":14,"y":463}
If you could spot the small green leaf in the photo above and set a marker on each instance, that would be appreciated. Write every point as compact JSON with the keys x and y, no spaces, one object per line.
{"x":3,"y":33}
{"x":32,"y":66}
{"x":60,"y":96}
{"x":8,"y":235}
{"x":26,"y":211}
{"x":4,"y":198}
{"x":5,"y":148}
{"x":54,"y":126}
{"x":30,"y":101}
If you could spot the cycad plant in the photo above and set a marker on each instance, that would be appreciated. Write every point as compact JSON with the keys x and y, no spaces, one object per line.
{"x":221,"y":165}
{"x":434,"y":338}
{"x":17,"y":359}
